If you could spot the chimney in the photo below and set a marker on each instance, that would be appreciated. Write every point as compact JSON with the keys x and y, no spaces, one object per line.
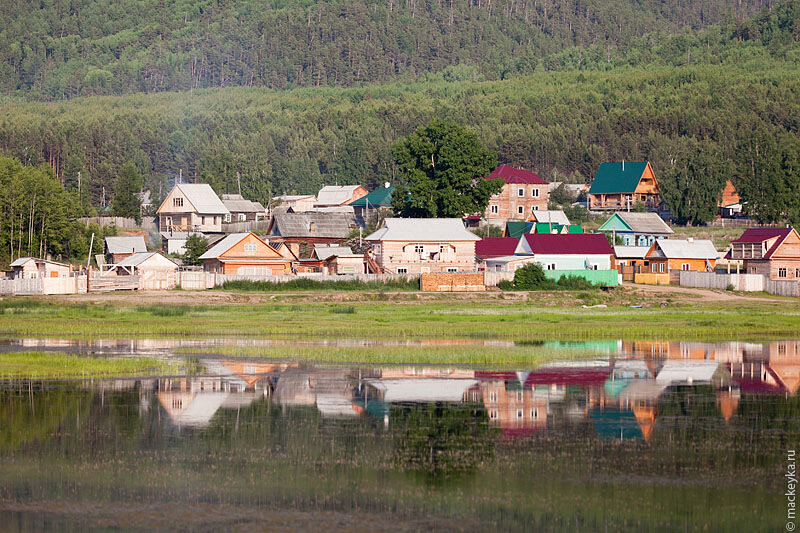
{"x":386,"y":185}
{"x":623,"y":165}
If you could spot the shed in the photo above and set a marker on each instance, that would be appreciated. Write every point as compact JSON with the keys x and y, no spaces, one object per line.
{"x":118,"y":248}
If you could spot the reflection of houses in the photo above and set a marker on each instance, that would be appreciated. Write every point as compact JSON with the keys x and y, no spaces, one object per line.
{"x":512,"y":404}
{"x":330,"y":390}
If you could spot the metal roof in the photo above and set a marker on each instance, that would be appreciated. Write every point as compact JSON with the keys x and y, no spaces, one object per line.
{"x":21,"y":261}
{"x":224,"y":245}
{"x":647,"y":223}
{"x":336,"y":194}
{"x":236,"y":203}
{"x":203,"y":198}
{"x":423,"y":230}
{"x":686,"y":249}
{"x":516,"y":175}
{"x":381,"y":197}
{"x":611,"y":178}
{"x":324,"y":252}
{"x":139,"y":258}
{"x":564,"y":244}
{"x":551,"y":216}
{"x":636,"y":252}
{"x":495,"y":246}
{"x":125,"y":245}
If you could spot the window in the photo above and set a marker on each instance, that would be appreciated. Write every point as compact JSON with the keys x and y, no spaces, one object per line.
{"x":311,"y":227}
{"x":202,"y":220}
{"x":797,"y":272}
{"x":493,"y":209}
{"x":685,"y":266}
{"x":519,"y":413}
{"x":177,"y":202}
{"x":402,"y":270}
{"x":534,"y":193}
{"x":242,"y":217}
{"x":519,"y":395}
{"x":534,"y":414}
{"x":443,"y":248}
{"x":520,"y":192}
{"x":661,"y":267}
{"x":752,"y":270}
{"x":493,"y":397}
{"x":228,"y":217}
{"x":781,"y":272}
{"x":520,"y":210}
{"x":551,"y":266}
{"x":250,"y":247}
{"x":535,"y":208}
{"x":169,"y":221}
{"x":419,"y":249}
{"x":493,"y":414}
{"x":452,"y":270}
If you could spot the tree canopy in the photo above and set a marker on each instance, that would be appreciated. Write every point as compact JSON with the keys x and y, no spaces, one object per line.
{"x":443,"y":166}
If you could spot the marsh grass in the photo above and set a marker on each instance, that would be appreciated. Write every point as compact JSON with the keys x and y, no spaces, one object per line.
{"x":307,"y":284}
{"x":41,"y":365}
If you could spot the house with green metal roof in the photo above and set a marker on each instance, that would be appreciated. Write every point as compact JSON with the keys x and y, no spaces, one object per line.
{"x":379,"y":199}
{"x":621,"y":185}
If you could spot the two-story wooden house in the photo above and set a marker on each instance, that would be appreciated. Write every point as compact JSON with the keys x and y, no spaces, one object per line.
{"x":423,"y":245}
{"x":772,"y":252}
{"x":245,"y":254}
{"x":621,"y":185}
{"x":192,"y":207}
{"x":524,"y":193}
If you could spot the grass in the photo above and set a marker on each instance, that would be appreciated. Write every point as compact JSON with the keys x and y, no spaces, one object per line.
{"x":541,"y":317}
{"x":38,"y":365}
{"x":306,"y":284}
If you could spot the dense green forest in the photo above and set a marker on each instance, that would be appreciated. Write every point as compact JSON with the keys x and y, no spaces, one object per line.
{"x":66,"y":48}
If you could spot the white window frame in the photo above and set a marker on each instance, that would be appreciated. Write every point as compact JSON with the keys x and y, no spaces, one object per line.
{"x":250,"y":247}
{"x":493,"y":397}
{"x":419,"y":249}
{"x":534,"y":208}
{"x":783,"y":272}
{"x":242,"y":217}
{"x":227,"y":217}
{"x":520,"y":210}
{"x":493,"y":209}
{"x":535,"y":193}
{"x":521,"y":192}
{"x":177,"y":202}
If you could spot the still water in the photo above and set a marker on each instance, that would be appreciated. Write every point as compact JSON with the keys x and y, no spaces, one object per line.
{"x":641,"y":436}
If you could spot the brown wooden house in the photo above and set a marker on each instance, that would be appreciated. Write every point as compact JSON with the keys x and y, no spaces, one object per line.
{"x":304,"y":230}
{"x":621,"y":185}
{"x":245,"y":254}
{"x":772,"y":252}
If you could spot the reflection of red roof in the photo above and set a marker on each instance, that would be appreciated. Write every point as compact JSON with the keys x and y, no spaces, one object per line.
{"x":588,"y":243}
{"x":516,"y":433}
{"x":516,"y":175}
{"x":495,"y":376}
{"x":495,"y":246}
{"x":756,"y":235}
{"x":584,"y":376}
{"x":756,"y":386}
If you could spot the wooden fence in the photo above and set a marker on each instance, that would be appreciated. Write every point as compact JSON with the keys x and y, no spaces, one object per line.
{"x":30,"y":287}
{"x":740,"y":282}
{"x":148,"y":223}
{"x":241,"y":227}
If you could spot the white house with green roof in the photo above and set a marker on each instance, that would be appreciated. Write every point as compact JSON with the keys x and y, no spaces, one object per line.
{"x":636,"y":229}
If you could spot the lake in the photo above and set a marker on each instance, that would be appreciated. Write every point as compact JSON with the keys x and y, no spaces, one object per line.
{"x":635,"y":435}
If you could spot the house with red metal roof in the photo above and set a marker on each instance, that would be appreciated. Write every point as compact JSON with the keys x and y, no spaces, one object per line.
{"x":772,"y":252}
{"x":489,"y":247}
{"x":524,"y":193}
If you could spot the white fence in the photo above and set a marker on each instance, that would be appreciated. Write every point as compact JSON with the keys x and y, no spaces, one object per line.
{"x":29,"y":286}
{"x":740,"y":282}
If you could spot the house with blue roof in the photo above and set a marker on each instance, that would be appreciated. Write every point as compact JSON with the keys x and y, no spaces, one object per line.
{"x":619,"y":186}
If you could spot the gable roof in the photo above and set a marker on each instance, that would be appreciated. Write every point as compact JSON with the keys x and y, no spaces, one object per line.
{"x":423,"y":230}
{"x":553,"y":216}
{"x":517,"y":229}
{"x":610,"y":177}
{"x":495,"y":246}
{"x":759,"y":235}
{"x":381,"y":197}
{"x":229,"y":242}
{"x":565,"y":244}
{"x":236,"y":203}
{"x":336,"y":194}
{"x":686,"y":249}
{"x":202,"y":197}
{"x":729,"y":195}
{"x":649,"y":223}
{"x":139,"y":258}
{"x":516,"y":175}
{"x":298,"y":225}
{"x":324,"y":252}
{"x":632,"y":252}
{"x":125,"y":245}
{"x":21,"y":261}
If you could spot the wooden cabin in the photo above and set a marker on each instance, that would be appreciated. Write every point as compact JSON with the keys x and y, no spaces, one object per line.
{"x":245,"y":254}
{"x":621,"y":185}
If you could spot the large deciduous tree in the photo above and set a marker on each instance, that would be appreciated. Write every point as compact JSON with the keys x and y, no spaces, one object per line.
{"x":443,"y":166}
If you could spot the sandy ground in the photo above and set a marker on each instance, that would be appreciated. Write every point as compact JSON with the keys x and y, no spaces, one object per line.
{"x":648,"y":294}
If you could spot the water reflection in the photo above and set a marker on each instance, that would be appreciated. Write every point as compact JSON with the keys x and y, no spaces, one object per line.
{"x":647,"y":436}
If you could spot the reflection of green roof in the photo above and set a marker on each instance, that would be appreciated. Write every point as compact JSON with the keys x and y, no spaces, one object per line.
{"x":615,"y":385}
{"x":592,"y":346}
{"x":615,"y":424}
{"x":376,"y":408}
{"x":381,"y":197}
{"x":610,"y":177}
{"x":517,"y":229}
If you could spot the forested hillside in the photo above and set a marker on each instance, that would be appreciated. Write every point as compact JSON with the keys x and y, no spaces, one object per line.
{"x":55,"y":49}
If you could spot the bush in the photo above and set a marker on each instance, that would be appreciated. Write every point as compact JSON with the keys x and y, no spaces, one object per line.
{"x":505,"y":285}
{"x":531,"y":278}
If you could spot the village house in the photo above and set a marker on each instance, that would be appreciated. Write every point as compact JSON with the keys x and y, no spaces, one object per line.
{"x":377,"y":202}
{"x":674,"y":255}
{"x":517,"y":228}
{"x":423,"y":245}
{"x":192,"y":207}
{"x":33,"y":268}
{"x":490,"y":247}
{"x":772,"y":252}
{"x":589,"y":251}
{"x":337,"y":195}
{"x":730,"y":205}
{"x":549,"y":216}
{"x":524,"y":192}
{"x":242,"y":210}
{"x":142,"y":262}
{"x":629,"y":260}
{"x":118,"y":248}
{"x":304,"y":230}
{"x":340,"y":259}
{"x":174,"y":242}
{"x":245,"y":254}
{"x":636,"y":229}
{"x":298,"y":203}
{"x":621,"y":185}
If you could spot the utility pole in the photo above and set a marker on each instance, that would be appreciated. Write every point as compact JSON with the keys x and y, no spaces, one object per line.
{"x":239,"y":182}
